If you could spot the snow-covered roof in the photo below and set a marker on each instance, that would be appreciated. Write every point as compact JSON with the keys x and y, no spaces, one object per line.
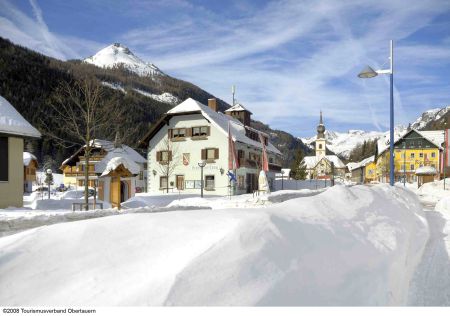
{"x":312,"y":161}
{"x":355,"y":165}
{"x":109,"y":164}
{"x":11,"y":122}
{"x":27,"y":158}
{"x":237,"y":108}
{"x":107,"y":145}
{"x":435,"y":137}
{"x":426,"y":170}
{"x":220,"y":120}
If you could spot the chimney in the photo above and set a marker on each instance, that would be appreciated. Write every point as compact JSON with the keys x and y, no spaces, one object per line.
{"x":212,"y":104}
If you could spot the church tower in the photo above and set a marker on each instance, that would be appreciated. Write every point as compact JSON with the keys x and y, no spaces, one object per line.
{"x":320,"y":141}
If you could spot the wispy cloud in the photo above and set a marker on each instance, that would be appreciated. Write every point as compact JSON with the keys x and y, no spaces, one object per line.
{"x":289,"y":59}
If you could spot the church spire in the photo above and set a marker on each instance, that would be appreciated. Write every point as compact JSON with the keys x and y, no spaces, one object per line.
{"x":321,"y":128}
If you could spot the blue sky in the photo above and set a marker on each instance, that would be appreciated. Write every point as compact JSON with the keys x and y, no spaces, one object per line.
{"x":288,"y":59}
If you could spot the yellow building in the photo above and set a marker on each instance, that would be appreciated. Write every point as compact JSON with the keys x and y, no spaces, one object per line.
{"x":413,"y":150}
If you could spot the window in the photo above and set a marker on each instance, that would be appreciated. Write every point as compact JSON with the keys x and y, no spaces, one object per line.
{"x":411,"y":167}
{"x":210,"y":154}
{"x":200,"y":131}
{"x":163,"y":182}
{"x":178,"y":132}
{"x":412,"y":155}
{"x":141,"y":175}
{"x":433,"y":155}
{"x":421,"y":155}
{"x":411,"y":143}
{"x":4,"y":159}
{"x":419,"y":143}
{"x":320,"y":146}
{"x":164,"y":156}
{"x":209,"y":182}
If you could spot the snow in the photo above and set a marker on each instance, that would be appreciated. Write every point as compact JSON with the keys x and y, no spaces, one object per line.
{"x":11,"y":122}
{"x":347,"y":246}
{"x":118,"y":54}
{"x":27,"y":158}
{"x":115,"y":86}
{"x":165,"y":97}
{"x":426,"y":170}
{"x":113,"y":163}
{"x":432,"y":192}
{"x":221,"y":120}
{"x":237,"y":108}
{"x":343,"y":143}
{"x":355,"y":165}
{"x":428,"y":116}
{"x":107,"y":145}
{"x":312,"y":161}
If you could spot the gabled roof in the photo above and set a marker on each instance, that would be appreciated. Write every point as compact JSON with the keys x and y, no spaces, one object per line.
{"x":112,"y":162}
{"x":108,"y":146}
{"x":237,"y":108}
{"x":11,"y":122}
{"x":355,"y":165}
{"x":312,"y":161}
{"x":434,"y":137}
{"x":27,"y":158}
{"x":218,"y":119}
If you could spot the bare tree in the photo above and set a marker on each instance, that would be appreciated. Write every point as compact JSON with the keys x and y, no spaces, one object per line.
{"x":84,"y":112}
{"x":168,"y":159}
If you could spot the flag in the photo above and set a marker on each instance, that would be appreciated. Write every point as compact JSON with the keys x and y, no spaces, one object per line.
{"x":264,"y":160}
{"x":233,"y":161}
{"x":446,"y":151}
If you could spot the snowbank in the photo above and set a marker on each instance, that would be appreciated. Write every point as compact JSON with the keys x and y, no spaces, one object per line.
{"x":443,"y":206}
{"x":432,"y":192}
{"x":346,"y":246}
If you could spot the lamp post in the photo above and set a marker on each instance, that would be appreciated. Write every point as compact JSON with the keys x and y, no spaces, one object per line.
{"x":201,"y":164}
{"x":444,"y":160}
{"x":49,"y":173}
{"x":368,"y":72}
{"x":282,"y":177}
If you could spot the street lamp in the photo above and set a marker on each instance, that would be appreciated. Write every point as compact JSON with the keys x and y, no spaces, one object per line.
{"x":369,"y":72}
{"x":282,"y":177}
{"x":49,"y":173}
{"x":201,"y":164}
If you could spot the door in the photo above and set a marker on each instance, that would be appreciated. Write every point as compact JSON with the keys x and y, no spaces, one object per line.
{"x":180,"y":183}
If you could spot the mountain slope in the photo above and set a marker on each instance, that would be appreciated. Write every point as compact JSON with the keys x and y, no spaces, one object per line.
{"x":117,"y":55}
{"x":28,"y":80}
{"x":343,"y":143}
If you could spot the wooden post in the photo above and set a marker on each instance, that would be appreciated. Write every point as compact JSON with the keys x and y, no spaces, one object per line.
{"x":118,"y":192}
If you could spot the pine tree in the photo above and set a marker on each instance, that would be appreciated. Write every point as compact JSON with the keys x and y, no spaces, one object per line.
{"x":298,"y":167}
{"x":48,"y":178}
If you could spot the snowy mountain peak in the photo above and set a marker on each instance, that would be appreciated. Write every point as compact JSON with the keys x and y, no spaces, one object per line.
{"x":119,"y":55}
{"x":428,"y":116}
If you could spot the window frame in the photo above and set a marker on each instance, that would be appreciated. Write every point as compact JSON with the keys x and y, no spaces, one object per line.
{"x":208,"y":188}
{"x":161,"y":178}
{"x":4,"y":164}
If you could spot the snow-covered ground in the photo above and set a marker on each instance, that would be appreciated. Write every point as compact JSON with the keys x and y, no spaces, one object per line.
{"x":430,"y":193}
{"x":346,"y":246}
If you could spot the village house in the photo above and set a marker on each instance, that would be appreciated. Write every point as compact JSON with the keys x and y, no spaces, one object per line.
{"x":363,"y":171}
{"x":413,"y":150}
{"x":323,"y":166}
{"x":13,"y":129}
{"x":115,"y":182}
{"x":191,"y":133}
{"x":30,"y":166}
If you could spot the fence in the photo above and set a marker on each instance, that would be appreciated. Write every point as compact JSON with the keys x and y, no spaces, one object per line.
{"x":300,"y":184}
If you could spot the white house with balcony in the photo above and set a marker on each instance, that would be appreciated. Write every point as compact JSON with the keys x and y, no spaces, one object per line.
{"x":193,"y":132}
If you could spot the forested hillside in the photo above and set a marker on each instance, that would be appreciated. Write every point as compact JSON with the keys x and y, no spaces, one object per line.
{"x":29,"y":79}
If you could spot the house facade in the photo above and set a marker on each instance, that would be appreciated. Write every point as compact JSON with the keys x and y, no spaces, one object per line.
{"x":413,"y":150}
{"x":30,"y":166}
{"x":321,"y":165}
{"x":13,"y":129}
{"x":192,"y":133}
{"x":363,"y":171}
{"x":101,"y":152}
